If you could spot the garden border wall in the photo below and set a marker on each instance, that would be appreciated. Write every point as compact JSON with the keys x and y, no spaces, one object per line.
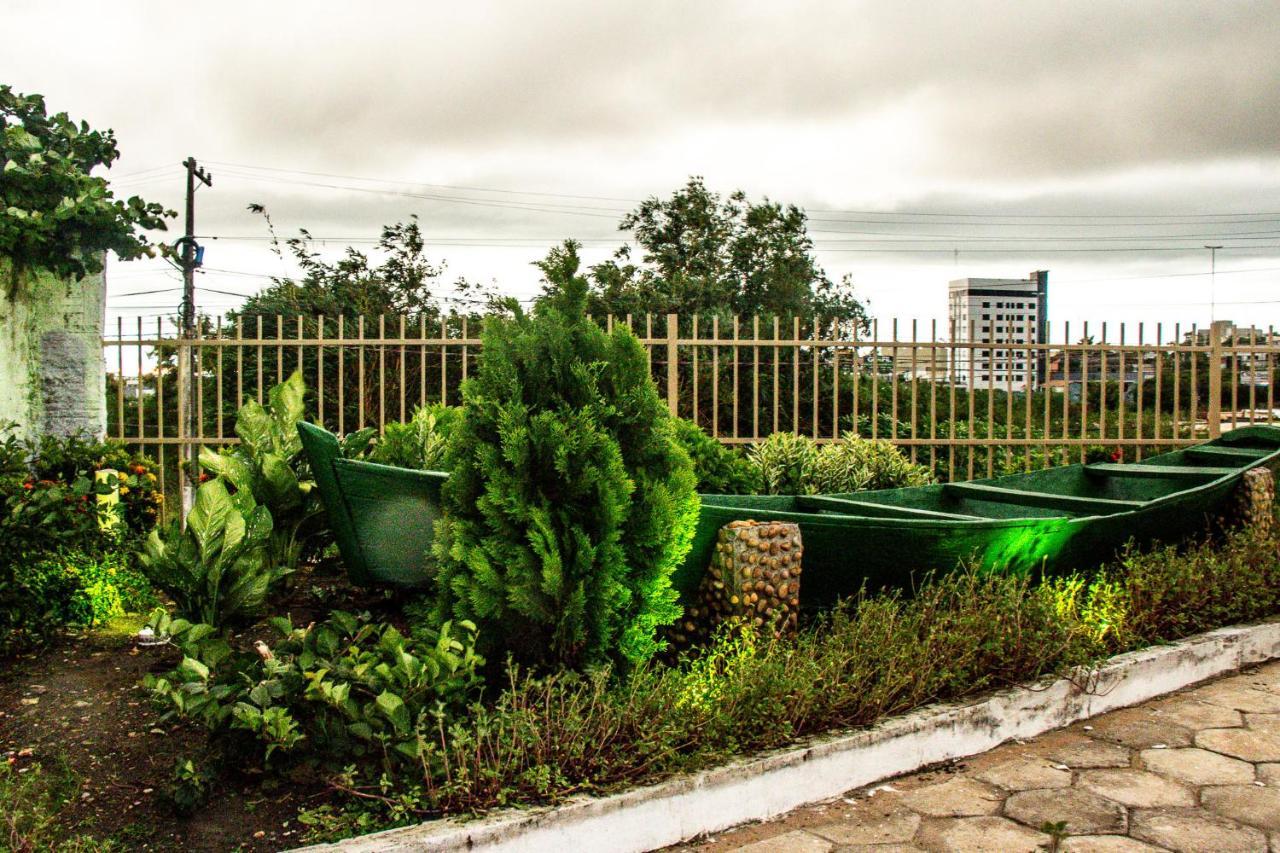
{"x":771,"y":784}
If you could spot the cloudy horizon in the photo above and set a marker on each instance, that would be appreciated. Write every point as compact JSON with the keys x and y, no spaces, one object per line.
{"x":1105,"y":142}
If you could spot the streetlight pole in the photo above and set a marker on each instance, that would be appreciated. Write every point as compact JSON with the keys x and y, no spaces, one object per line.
{"x":1213,"y":282}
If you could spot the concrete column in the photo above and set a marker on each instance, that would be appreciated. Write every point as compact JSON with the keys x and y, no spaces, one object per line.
{"x":52,"y":373}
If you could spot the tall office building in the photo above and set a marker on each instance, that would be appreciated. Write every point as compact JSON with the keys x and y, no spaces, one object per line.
{"x":1002,"y":313}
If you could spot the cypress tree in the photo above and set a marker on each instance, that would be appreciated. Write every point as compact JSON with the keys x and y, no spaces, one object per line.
{"x":570,"y":504}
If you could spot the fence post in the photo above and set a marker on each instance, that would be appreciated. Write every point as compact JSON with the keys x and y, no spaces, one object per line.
{"x":1217,"y":330}
{"x":673,"y":364}
{"x":186,"y":410}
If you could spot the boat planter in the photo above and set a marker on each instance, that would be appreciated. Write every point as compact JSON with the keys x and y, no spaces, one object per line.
{"x":1058,"y":519}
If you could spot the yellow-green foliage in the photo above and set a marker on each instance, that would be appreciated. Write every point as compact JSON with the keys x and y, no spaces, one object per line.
{"x":855,"y":464}
{"x":726,"y":661}
{"x":1097,"y":608}
{"x":786,"y":462}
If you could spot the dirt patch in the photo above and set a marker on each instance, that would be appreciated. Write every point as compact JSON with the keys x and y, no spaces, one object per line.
{"x":79,"y":703}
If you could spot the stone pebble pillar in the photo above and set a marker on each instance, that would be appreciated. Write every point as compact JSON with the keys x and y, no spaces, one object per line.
{"x":754,"y":576}
{"x":1252,"y":503}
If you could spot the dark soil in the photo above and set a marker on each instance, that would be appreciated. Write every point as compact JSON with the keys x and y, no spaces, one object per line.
{"x":79,"y":703}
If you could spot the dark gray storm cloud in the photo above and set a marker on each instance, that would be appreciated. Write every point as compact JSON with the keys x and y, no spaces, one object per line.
{"x":1025,"y":107}
{"x":1030,"y":88}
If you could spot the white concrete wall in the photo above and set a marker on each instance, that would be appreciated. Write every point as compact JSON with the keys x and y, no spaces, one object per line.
{"x":52,"y":374}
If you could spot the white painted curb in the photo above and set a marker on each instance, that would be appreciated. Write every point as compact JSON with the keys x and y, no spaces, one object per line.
{"x":769,"y":785}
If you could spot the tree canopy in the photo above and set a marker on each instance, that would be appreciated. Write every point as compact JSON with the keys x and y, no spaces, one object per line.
{"x":699,"y":253}
{"x":54,"y":214}
{"x":704,"y":254}
{"x":401,"y":283}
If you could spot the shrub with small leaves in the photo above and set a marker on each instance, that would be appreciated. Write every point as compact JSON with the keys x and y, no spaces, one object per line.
{"x":720,"y":470}
{"x":569,"y":504}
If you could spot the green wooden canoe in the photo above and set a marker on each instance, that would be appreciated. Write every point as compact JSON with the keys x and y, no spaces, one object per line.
{"x":382,"y":516}
{"x":1058,"y":519}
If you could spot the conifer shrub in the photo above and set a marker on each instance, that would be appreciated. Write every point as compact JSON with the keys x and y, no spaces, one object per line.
{"x":720,"y":470}
{"x":569,"y":504}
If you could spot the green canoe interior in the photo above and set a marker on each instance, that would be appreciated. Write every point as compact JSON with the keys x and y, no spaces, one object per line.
{"x":1073,"y":517}
{"x":383,"y":517}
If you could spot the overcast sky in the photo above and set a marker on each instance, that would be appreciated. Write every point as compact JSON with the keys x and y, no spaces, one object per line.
{"x":1105,"y":142}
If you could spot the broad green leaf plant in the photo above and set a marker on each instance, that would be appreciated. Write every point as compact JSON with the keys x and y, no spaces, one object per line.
{"x":266,"y":464}
{"x":218,"y":569}
{"x":352,"y":689}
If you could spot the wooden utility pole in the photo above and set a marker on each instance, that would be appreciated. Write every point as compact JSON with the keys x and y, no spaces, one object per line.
{"x":1219,"y":331}
{"x":188,"y":368}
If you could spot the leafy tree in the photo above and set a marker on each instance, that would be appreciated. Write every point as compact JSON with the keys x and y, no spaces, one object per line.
{"x":569,"y":504}
{"x":354,"y":285}
{"x":56,"y":215}
{"x":702,"y":254}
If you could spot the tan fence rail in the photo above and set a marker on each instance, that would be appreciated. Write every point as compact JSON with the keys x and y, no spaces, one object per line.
{"x":966,"y":408}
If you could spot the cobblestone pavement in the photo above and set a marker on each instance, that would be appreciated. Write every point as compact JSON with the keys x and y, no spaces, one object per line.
{"x":1195,"y":771}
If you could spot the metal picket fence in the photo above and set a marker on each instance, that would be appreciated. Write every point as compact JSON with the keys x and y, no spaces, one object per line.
{"x":933,"y":392}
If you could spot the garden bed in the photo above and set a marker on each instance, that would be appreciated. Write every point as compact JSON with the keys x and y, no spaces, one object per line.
{"x":106,"y":761}
{"x":766,"y":786}
{"x":87,"y":756}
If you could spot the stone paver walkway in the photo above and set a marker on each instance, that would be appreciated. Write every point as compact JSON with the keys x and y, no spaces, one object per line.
{"x":1195,"y":771}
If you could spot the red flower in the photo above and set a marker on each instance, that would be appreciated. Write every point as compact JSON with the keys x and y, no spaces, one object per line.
{"x":203,"y":476}
{"x":28,"y":485}
{"x":1116,"y":455}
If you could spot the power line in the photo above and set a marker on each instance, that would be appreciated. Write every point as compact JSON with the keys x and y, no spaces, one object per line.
{"x":568,"y":210}
{"x":878,"y":237}
{"x":1165,"y":275}
{"x":424,"y":184}
{"x":1155,"y":217}
{"x":1143,"y":216}
{"x":1100,"y":249}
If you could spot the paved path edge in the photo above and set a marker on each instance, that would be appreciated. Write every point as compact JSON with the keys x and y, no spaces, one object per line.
{"x":771,"y":784}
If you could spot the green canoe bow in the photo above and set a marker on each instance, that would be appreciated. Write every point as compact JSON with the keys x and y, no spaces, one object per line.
{"x":1073,"y":517}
